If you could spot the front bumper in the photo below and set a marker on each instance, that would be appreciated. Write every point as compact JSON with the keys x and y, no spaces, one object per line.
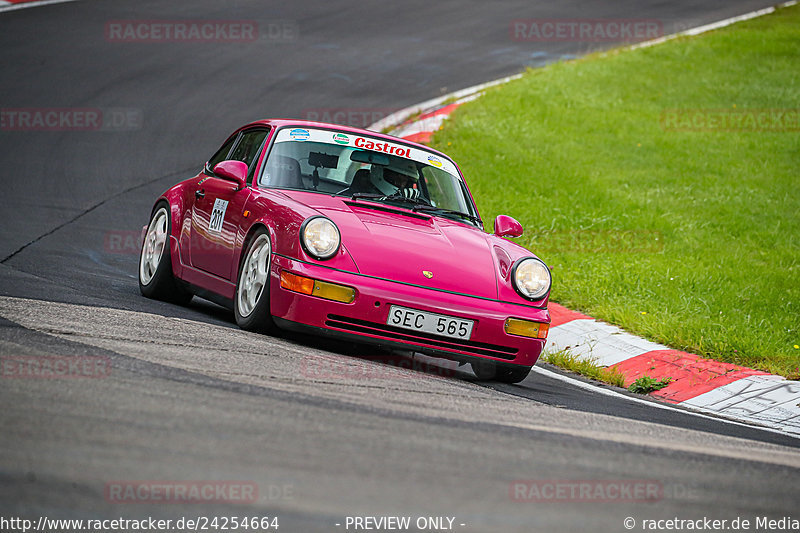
{"x":365,"y":318}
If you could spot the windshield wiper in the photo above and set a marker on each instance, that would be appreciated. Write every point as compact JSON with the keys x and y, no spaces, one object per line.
{"x":394,"y":197}
{"x":367,"y":195}
{"x":441,"y":210}
{"x":419,"y":205}
{"x":400,"y":197}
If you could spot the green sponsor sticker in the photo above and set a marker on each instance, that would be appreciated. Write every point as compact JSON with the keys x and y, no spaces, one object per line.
{"x":341,"y":138}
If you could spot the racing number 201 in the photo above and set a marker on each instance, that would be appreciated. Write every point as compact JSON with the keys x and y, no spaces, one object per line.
{"x":217,"y":215}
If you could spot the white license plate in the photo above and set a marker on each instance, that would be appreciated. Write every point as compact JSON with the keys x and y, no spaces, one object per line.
{"x":446,"y":326}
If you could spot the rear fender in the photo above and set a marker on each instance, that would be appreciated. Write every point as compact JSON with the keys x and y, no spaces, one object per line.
{"x":177,"y":200}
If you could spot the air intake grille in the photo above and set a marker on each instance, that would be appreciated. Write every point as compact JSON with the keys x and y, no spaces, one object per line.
{"x":355,"y":325}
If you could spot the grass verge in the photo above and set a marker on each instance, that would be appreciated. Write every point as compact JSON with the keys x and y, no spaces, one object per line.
{"x":585,"y":367}
{"x":660,"y":206}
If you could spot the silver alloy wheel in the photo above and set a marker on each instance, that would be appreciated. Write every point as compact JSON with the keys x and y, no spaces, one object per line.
{"x":255,"y":275}
{"x":153,"y":248}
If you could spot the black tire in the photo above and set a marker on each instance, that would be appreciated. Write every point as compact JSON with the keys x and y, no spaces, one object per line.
{"x":252,"y":308}
{"x":156,"y":280}
{"x":490,"y":371}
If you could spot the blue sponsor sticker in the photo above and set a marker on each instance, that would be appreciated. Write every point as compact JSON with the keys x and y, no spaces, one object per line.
{"x":435,"y":161}
{"x":299,"y":134}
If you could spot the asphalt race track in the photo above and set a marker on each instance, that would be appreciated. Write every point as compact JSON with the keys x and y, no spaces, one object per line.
{"x":323,"y":431}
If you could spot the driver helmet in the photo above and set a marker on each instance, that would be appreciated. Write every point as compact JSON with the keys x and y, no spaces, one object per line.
{"x":398,"y":175}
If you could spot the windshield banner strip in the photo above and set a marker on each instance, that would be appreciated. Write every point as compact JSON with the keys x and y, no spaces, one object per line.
{"x":366,"y":143}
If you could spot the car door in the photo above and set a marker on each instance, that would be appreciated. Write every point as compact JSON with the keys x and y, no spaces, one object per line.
{"x":217,"y":213}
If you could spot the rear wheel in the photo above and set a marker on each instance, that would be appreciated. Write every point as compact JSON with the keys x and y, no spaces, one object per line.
{"x":489,"y":370}
{"x":251,"y":303}
{"x":155,"y":263}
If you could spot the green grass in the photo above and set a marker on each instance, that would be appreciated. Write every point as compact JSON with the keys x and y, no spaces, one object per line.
{"x":585,"y":367}
{"x":646,"y":385}
{"x":689,"y":238}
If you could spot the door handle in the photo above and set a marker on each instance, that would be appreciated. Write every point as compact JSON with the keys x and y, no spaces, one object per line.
{"x":200,"y":193}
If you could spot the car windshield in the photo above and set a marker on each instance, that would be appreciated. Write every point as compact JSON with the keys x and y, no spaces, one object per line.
{"x":367,"y":168}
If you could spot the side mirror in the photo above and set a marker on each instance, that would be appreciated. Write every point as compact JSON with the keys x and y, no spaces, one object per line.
{"x":232,"y":170}
{"x":505,"y":226}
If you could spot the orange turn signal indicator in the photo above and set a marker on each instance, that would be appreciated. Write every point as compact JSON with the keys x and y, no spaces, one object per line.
{"x":526,"y":328}
{"x":320,"y":289}
{"x":296,"y":283}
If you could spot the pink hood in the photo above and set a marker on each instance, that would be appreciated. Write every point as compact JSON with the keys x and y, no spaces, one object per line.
{"x":401,"y":246}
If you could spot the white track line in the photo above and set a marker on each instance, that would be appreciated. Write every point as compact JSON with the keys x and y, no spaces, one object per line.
{"x":714,"y":25}
{"x":614,"y":394}
{"x":398,"y":117}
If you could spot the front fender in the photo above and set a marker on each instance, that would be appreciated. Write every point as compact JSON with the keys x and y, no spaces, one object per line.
{"x":282,"y":218}
{"x":506,"y":254}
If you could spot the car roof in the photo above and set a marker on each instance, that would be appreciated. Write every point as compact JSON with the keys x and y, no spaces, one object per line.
{"x":282,"y":122}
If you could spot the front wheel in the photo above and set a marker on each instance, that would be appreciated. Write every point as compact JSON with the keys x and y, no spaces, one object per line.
{"x":155,"y":263}
{"x":489,"y":370}
{"x":251,"y":303}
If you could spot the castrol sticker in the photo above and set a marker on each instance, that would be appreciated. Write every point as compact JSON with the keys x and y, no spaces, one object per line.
{"x":362,"y":142}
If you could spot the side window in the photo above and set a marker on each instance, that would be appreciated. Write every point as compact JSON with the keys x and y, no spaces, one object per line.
{"x":248,"y":148}
{"x":222,"y":153}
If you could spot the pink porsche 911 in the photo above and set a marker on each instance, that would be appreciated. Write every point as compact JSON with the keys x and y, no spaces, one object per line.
{"x":353,"y":234}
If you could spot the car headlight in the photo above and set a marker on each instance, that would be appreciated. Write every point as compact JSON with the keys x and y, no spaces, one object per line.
{"x":531,"y":278}
{"x":320,"y":237}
